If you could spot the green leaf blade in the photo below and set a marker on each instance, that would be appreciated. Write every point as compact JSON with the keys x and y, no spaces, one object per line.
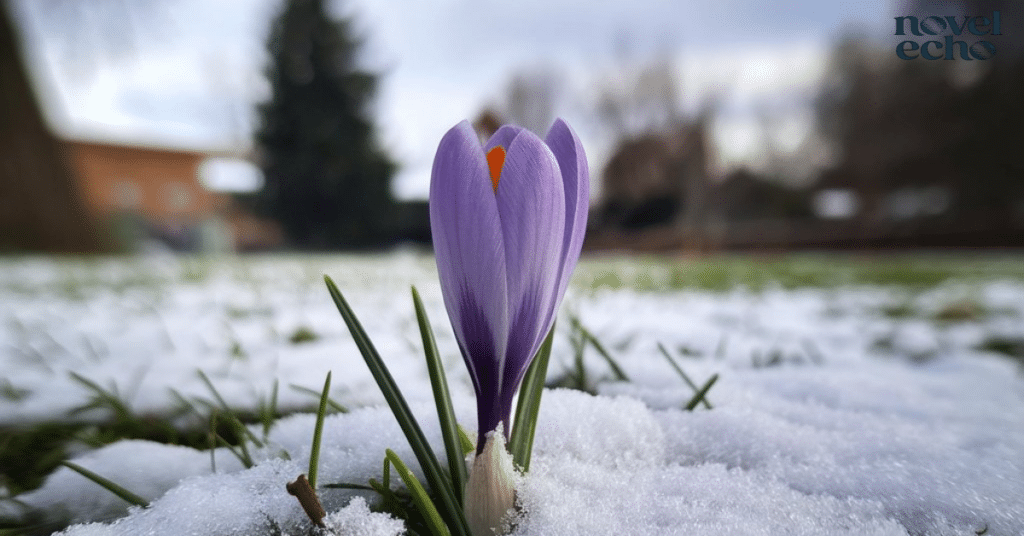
{"x":314,"y":451}
{"x":107,"y":484}
{"x":419,"y":496}
{"x":520,"y":443}
{"x":410,"y":427}
{"x":442,"y":398}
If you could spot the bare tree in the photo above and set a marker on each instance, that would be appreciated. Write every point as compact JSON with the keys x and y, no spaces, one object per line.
{"x":642,"y":101}
{"x":532,"y":96}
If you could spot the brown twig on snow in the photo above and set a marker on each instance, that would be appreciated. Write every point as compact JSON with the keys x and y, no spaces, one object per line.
{"x":308,"y":499}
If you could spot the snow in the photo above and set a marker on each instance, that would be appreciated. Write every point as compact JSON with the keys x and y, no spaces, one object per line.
{"x":131,"y":463}
{"x":830,"y":417}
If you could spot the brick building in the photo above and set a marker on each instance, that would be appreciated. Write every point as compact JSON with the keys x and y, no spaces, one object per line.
{"x":162,"y":184}
{"x":156,"y":195}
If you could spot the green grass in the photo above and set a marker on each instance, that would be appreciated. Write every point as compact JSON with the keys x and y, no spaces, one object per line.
{"x":1011,"y":347}
{"x":30,"y":452}
{"x":78,"y":276}
{"x":818,"y":270}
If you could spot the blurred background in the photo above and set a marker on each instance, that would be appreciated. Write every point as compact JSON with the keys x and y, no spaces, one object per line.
{"x":311,"y":125}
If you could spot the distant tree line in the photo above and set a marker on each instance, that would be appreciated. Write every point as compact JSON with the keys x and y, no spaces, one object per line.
{"x":929,"y":151}
{"x":932,"y":141}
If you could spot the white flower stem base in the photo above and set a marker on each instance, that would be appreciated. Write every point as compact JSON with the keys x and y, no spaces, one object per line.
{"x":490,"y":490}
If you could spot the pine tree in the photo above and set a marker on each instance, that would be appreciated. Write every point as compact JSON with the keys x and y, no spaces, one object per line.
{"x":326,"y":179}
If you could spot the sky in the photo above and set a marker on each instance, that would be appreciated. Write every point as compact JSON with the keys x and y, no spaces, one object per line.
{"x":189,"y":72}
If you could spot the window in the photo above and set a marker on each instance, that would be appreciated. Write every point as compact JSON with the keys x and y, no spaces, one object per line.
{"x":176,"y":196}
{"x":127,"y":194}
{"x":836,"y":204}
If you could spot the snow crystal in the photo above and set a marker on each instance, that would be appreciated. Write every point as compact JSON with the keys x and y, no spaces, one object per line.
{"x":357,"y":520}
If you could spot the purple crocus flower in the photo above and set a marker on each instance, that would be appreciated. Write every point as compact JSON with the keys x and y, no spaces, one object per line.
{"x":507,"y":220}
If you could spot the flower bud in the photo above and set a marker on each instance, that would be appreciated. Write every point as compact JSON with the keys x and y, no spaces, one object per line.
{"x":507,"y":220}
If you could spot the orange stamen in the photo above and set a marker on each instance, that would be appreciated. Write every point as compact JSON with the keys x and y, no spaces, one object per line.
{"x":495,"y":161}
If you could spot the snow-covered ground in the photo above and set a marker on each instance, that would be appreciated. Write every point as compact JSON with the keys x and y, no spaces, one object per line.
{"x":849,"y":410}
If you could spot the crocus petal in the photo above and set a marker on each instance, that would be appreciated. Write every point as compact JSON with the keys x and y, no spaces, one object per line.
{"x":531,"y":206}
{"x":470,"y":250}
{"x":572,"y":161}
{"x":503,"y":137}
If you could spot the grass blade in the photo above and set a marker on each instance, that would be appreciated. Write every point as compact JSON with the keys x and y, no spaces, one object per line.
{"x":465,"y":441}
{"x":579,"y":347}
{"x":419,"y":496}
{"x":212,"y":442}
{"x":616,"y":369}
{"x":213,"y":390}
{"x":683,"y":375}
{"x":620,"y":375}
{"x":330,"y":401}
{"x":424,"y":454}
{"x":699,"y":396}
{"x":348,"y":485}
{"x":390,"y":501}
{"x":269,"y":412}
{"x":128,"y":496}
{"x":242,"y":454}
{"x":102,"y":398}
{"x":445,"y":414}
{"x":242,"y":430}
{"x":314,"y":450}
{"x":520,"y":443}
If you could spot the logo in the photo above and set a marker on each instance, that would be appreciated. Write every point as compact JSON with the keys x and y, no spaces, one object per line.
{"x":953,"y":33}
